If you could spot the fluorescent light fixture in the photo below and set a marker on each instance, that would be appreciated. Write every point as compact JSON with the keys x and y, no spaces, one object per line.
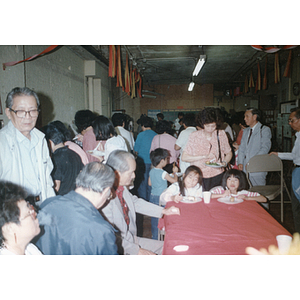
{"x":199,"y":65}
{"x":191,"y":86}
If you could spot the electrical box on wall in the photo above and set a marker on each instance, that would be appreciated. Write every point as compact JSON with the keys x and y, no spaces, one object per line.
{"x":90,"y":68}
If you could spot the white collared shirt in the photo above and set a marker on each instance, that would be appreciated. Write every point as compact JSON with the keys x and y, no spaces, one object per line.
{"x":29,"y":162}
{"x":295,"y":154}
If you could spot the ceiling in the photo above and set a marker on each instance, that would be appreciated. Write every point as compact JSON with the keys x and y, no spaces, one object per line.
{"x":225,"y":67}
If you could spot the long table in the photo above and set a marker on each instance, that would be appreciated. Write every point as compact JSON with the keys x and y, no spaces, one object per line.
{"x":219,"y":228}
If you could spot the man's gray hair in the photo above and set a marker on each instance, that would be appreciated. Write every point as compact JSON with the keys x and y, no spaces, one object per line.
{"x":95,"y":176}
{"x":17,"y":91}
{"x":118,"y":160}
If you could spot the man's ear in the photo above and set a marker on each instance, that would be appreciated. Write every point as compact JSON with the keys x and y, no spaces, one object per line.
{"x":8,"y":112}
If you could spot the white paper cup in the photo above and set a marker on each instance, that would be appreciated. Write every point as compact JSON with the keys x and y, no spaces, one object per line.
{"x":284,"y":242}
{"x":206,"y":197}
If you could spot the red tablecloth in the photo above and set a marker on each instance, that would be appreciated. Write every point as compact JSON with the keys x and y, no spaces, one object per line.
{"x":219,"y":228}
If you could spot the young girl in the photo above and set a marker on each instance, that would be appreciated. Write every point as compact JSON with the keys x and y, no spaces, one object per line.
{"x":190,"y":185}
{"x":235,"y":183}
{"x":158,"y":180}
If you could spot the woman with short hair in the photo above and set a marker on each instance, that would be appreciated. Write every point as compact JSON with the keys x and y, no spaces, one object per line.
{"x":208,"y":144}
{"x":18,"y":222}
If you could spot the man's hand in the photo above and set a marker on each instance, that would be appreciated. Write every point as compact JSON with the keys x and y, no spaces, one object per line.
{"x":172,"y":210}
{"x":275,"y":153}
{"x":240,"y":166}
{"x":145,"y":252}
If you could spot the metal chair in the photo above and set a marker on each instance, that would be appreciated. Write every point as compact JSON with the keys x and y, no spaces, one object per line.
{"x":268,"y":163}
{"x":161,"y":232}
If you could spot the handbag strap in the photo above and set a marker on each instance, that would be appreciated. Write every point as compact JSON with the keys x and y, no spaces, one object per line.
{"x":220,"y":157}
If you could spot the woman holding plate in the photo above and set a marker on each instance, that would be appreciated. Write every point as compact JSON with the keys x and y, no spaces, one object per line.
{"x":208,"y":148}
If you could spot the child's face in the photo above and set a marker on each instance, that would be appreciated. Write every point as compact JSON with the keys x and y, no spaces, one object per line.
{"x":233,"y":183}
{"x":191,"y":180}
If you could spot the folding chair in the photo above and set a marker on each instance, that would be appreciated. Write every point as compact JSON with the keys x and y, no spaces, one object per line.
{"x":268,"y":163}
{"x":161,"y":232}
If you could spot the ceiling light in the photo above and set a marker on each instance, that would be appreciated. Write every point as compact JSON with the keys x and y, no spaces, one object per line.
{"x":191,"y":86}
{"x":199,"y":65}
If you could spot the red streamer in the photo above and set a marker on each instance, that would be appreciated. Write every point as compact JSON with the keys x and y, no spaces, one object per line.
{"x":13,"y":63}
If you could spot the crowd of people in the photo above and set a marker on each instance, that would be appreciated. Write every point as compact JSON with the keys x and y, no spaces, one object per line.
{"x":86,"y":193}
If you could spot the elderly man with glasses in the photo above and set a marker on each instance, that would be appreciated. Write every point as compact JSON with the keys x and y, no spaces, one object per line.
{"x":294,"y":122}
{"x":24,"y":155}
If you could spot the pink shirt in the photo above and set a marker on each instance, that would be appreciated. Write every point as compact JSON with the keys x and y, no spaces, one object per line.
{"x":89,"y":143}
{"x":76,"y":148}
{"x":165,"y":141}
{"x":198,"y":144}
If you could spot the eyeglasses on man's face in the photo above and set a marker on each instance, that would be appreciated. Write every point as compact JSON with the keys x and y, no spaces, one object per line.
{"x":292,"y":120}
{"x":22,"y":113}
{"x":31,"y":212}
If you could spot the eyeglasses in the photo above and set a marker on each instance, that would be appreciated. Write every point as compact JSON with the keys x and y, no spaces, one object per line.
{"x":31,"y":212}
{"x":292,"y":120}
{"x":22,"y":113}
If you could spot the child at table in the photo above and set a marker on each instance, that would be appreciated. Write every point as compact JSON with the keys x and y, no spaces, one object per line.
{"x":158,"y":180}
{"x":190,"y":185}
{"x":234,"y":182}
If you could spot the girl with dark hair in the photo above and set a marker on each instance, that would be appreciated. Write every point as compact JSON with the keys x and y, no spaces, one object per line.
{"x":109,"y":141}
{"x":188,"y":186}
{"x":235,"y":185}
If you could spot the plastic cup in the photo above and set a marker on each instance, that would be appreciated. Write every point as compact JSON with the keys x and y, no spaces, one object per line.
{"x":206,"y":197}
{"x":284,"y":242}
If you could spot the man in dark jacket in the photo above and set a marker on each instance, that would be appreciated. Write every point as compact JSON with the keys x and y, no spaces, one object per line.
{"x":72,"y":223}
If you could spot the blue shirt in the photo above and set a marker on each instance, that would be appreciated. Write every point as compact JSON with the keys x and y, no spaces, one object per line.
{"x":158,"y":181}
{"x":143,"y":144}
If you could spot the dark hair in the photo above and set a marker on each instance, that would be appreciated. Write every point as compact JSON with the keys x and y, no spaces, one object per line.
{"x":63,"y":129}
{"x":84,"y":119}
{"x":240,"y":175}
{"x":103,"y":128}
{"x":256,"y":112}
{"x":118,"y":119}
{"x":146,"y":122}
{"x":10,"y":195}
{"x":54,"y":134}
{"x":207,"y":116}
{"x":189,"y":120}
{"x":157,"y":155}
{"x":297,"y":110}
{"x":180,"y":114}
{"x":163,"y":126}
{"x":160,"y":115}
{"x":188,"y":170}
{"x":17,"y":91}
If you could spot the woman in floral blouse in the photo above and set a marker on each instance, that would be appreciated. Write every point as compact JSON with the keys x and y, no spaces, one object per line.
{"x":208,"y":145}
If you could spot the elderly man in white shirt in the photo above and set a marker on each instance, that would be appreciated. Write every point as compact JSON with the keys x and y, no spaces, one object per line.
{"x":24,"y":155}
{"x":294,"y":121}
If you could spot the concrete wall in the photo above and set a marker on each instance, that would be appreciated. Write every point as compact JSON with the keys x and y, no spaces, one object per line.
{"x":59,"y":80}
